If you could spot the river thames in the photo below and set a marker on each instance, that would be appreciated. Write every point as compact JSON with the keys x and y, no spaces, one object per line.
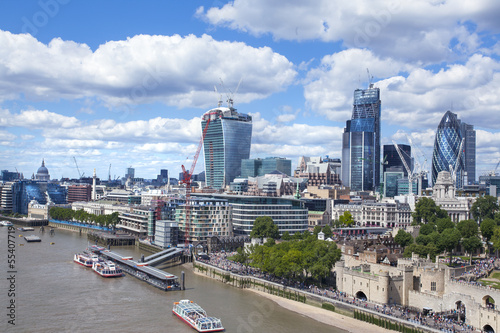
{"x":51,"y":293}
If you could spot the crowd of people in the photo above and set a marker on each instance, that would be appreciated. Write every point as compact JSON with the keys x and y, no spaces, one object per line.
{"x":449,"y":321}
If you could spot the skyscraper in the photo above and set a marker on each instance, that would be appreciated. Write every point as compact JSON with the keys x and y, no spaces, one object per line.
{"x":227,"y":142}
{"x":449,"y":135}
{"x":393,"y":161}
{"x":469,"y":134}
{"x":361,"y":142}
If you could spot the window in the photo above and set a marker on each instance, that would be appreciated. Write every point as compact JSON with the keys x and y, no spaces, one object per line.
{"x":433,"y":286}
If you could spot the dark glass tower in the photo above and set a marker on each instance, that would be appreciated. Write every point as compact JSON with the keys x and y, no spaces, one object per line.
{"x":449,"y":135}
{"x":227,"y":142}
{"x":361,"y":142}
{"x":469,"y":134}
{"x":392,"y":159}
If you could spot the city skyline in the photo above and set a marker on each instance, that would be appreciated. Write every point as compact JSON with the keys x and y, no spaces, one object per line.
{"x":126,"y":84}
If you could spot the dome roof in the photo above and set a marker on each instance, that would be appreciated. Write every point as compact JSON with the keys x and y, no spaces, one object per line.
{"x":42,"y":170}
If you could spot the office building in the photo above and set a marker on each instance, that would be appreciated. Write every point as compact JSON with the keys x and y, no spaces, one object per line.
{"x":318,"y":171}
{"x":259,"y":167}
{"x":79,"y":193}
{"x":227,"y":142}
{"x":361,"y":142}
{"x":288,"y":214}
{"x":469,"y":134}
{"x":392,"y":160}
{"x":130,"y":173}
{"x":450,"y":154}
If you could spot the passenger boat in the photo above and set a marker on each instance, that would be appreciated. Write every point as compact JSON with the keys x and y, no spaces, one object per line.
{"x":6,"y":223}
{"x":107,"y":269}
{"x":83,"y":259}
{"x":194,"y":315}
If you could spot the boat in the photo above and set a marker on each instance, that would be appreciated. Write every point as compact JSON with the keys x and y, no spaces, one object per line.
{"x":83,"y":259}
{"x":194,"y":315}
{"x":26,"y":229}
{"x":107,"y":269}
{"x":32,"y":238}
{"x":6,"y":223}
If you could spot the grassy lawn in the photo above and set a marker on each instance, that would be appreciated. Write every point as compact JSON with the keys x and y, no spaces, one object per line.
{"x":494,"y":284}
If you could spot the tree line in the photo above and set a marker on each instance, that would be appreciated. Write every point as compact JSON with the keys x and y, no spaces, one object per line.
{"x":67,"y":214}
{"x":439,"y":234}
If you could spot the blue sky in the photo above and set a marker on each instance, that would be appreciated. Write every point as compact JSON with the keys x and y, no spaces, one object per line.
{"x":125,"y":82}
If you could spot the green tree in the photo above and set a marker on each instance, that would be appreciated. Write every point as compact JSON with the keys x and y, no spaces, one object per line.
{"x":346,"y":218}
{"x":242,"y":255}
{"x":449,"y":240}
{"x":263,"y":227}
{"x":467,"y":228}
{"x":316,"y":230}
{"x":427,"y":211}
{"x":484,"y":207}
{"x":487,"y":228}
{"x":327,"y":231}
{"x":495,"y":239}
{"x":444,"y":223}
{"x":427,"y":229}
{"x":286,"y":236}
{"x":471,"y":244}
{"x":403,"y":238}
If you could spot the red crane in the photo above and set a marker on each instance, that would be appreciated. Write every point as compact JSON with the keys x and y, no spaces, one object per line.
{"x":186,"y":179}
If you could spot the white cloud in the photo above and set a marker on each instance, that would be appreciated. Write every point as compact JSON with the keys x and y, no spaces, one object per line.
{"x":416,"y":30}
{"x":36,"y":119}
{"x":177,"y":71}
{"x":411,"y":96}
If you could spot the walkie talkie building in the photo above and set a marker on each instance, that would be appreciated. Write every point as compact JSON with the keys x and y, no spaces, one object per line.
{"x":227,"y":142}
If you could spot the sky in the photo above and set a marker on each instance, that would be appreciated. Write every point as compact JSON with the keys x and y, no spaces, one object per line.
{"x":115,"y":84}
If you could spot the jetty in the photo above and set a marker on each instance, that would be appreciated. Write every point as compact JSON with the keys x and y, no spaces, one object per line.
{"x":142,"y":271}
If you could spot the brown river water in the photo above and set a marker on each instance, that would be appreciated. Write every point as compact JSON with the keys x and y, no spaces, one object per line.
{"x":51,"y":293}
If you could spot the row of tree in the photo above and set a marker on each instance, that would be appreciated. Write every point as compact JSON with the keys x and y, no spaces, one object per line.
{"x":295,"y":260}
{"x":67,"y":214}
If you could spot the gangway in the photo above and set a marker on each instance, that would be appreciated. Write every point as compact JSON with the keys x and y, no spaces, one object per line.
{"x":170,"y":255}
{"x":158,"y":254}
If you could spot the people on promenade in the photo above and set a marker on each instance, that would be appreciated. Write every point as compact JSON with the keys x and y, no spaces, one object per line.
{"x":448,"y":321}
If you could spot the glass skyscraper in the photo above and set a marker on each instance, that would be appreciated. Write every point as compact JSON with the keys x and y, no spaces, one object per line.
{"x":227,"y":142}
{"x":449,"y":135}
{"x":361,"y":142}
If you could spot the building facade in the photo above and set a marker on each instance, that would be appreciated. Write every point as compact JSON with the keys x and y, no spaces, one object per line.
{"x":361,"y":142}
{"x":287,"y":213}
{"x":79,"y":193}
{"x":166,"y":233}
{"x":392,"y":160}
{"x":207,"y":217}
{"x":259,"y":167}
{"x":227,"y":142}
{"x":450,"y":154}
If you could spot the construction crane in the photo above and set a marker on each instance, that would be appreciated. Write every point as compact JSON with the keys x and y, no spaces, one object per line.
{"x":78,"y":169}
{"x":453,"y":170}
{"x":187,"y":179}
{"x":408,"y":170}
{"x":229,"y":93}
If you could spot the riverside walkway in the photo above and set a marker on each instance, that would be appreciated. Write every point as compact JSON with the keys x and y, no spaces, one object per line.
{"x":436,"y":322}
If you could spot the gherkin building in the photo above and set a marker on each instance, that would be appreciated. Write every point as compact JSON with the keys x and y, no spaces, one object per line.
{"x":447,"y":148}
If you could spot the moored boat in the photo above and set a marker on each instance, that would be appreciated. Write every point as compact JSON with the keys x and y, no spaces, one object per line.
{"x":107,"y":269}
{"x":32,"y":238}
{"x":26,"y":229}
{"x":83,"y":259}
{"x":6,"y":223}
{"x":194,"y":315}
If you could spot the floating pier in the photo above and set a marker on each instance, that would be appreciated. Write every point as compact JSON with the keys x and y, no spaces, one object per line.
{"x":153,"y":276}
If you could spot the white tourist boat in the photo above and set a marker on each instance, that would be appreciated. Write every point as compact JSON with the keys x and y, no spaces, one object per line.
{"x":83,"y":259}
{"x":107,"y":269}
{"x":6,"y":223}
{"x":194,"y":315}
